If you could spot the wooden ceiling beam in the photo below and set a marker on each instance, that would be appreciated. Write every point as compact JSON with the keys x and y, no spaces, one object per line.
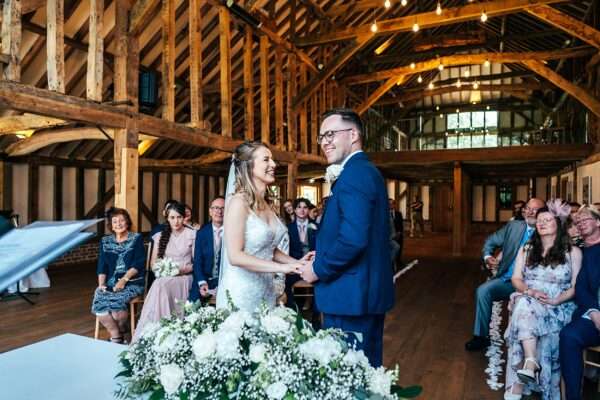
{"x":206,"y":159}
{"x":565,"y":22}
{"x":579,"y":93}
{"x":25,"y":122}
{"x":28,"y":6}
{"x":21,"y":97}
{"x":378,"y":93}
{"x":141,"y":13}
{"x":469,"y":12}
{"x":468,"y":59}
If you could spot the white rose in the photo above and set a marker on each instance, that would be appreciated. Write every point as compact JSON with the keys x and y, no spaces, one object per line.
{"x":380,"y":382}
{"x":322,"y":350}
{"x":276,"y":390}
{"x":171,"y":377}
{"x":228,"y":345}
{"x":333,"y":172}
{"x":204,"y":345}
{"x":167,"y":344}
{"x":274,"y":324}
{"x":313,"y":226}
{"x":257,"y":353}
{"x":354,"y":357}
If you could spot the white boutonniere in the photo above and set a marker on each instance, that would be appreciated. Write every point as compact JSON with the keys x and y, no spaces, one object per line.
{"x":312,"y":226}
{"x":333,"y":172}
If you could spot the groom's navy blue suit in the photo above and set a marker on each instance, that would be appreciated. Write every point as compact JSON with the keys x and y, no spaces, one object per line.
{"x":204,"y":258}
{"x":355,"y":286}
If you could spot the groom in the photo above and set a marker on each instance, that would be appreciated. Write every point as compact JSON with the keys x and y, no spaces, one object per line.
{"x":352,"y":271}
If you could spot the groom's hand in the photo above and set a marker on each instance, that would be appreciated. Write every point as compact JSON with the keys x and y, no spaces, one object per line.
{"x":308,"y":257}
{"x":307,"y":273}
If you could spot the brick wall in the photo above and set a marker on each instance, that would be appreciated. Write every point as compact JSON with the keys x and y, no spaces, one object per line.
{"x":86,"y":253}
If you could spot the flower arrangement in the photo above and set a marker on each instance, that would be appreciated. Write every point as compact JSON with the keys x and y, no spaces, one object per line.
{"x":226,"y":354}
{"x":165,"y":267}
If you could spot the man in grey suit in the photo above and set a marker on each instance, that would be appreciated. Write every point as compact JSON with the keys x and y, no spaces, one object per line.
{"x":509,"y":238}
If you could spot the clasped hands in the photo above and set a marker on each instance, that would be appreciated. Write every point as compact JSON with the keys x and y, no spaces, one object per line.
{"x":542,"y":297}
{"x":304,"y":268}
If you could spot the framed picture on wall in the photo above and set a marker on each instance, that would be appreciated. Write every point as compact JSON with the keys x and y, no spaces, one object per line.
{"x":586,"y":190}
{"x":553,"y":191}
{"x":569,"y":195}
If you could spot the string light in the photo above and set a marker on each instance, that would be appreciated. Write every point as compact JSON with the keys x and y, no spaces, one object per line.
{"x":431,"y":86}
{"x":374,"y":27}
{"x":458,"y":83}
{"x":467,"y":73}
{"x":403,"y":2}
{"x":458,"y":110}
{"x":438,"y":9}
{"x":476,"y":85}
{"x":419,"y":79}
{"x":484,"y":16}
{"x":487,"y":107}
{"x":437,"y":108}
{"x":441,"y":67}
{"x":387,"y":4}
{"x":415,"y":27}
{"x":441,"y":115}
{"x":412,"y":65}
{"x":486,"y":63}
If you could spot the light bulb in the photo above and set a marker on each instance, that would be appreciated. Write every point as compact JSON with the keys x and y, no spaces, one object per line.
{"x":476,"y":85}
{"x":457,"y":110}
{"x":431,"y":85}
{"x":437,"y":108}
{"x":441,"y":67}
{"x":415,"y":27}
{"x":486,"y":63}
{"x":419,"y":79}
{"x":387,"y":4}
{"x":438,"y":9}
{"x":412,"y":65}
{"x":403,"y":2}
{"x":467,"y":73}
{"x":441,"y":115}
{"x":458,"y":83}
{"x":487,"y":107}
{"x":374,"y":27}
{"x":483,"y":16}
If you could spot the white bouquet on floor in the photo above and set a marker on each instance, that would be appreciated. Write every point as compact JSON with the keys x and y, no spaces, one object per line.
{"x":221,"y":354}
{"x":165,"y":267}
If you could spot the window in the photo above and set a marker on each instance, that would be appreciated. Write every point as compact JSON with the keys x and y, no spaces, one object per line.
{"x":505,"y":194}
{"x":472,"y":120}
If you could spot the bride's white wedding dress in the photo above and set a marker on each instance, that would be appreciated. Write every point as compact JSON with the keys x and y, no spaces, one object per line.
{"x":247,"y":289}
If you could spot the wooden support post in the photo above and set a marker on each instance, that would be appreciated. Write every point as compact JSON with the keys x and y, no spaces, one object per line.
{"x":126,"y":58}
{"x":168,"y":59}
{"x":314,"y":123}
{"x":55,"y":45}
{"x":460,"y":215}
{"x":33,"y":183}
{"x":303,"y":114}
{"x":79,"y":193}
{"x":195,"y":38}
{"x":95,"y":51}
{"x":292,"y":117}
{"x":279,"y":136}
{"x":292,"y":174}
{"x":195,"y":197}
{"x":100,"y":195}
{"x":265,"y":129}
{"x":225,"y":68}
{"x":57,"y":212}
{"x":248,"y":85}
{"x":11,"y":39}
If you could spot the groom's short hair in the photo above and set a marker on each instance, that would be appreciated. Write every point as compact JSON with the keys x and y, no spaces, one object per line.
{"x":348,"y":115}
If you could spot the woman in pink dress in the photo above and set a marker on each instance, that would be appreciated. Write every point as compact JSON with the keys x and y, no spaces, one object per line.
{"x":176,"y":242}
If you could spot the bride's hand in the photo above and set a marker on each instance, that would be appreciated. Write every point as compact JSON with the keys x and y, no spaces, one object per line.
{"x":308,"y":257}
{"x":290,"y":268}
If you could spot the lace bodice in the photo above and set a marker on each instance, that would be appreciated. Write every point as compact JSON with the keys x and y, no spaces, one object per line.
{"x":247,"y":289}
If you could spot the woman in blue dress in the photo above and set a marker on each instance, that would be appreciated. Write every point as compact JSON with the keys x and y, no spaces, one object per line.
{"x":121,"y":270}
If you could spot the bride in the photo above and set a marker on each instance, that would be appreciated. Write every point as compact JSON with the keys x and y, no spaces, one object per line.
{"x":251,"y":233}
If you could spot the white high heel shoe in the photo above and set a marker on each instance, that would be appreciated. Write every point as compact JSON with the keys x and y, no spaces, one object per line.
{"x":509,"y":395}
{"x":529,"y":375}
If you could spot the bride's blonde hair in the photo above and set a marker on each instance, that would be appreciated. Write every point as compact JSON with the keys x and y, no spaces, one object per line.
{"x":243,"y":160}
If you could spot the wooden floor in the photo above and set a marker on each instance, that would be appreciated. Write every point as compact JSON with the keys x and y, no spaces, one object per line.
{"x":424,"y":334}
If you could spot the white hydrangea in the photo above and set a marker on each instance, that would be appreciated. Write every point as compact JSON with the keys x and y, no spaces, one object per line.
{"x":204,"y":345}
{"x":164,"y":344}
{"x":150,"y":328}
{"x":228,"y":345}
{"x":274,"y":324}
{"x":354,"y":357}
{"x":171,"y":377}
{"x":235,"y":322}
{"x":323,"y":350}
{"x":276,"y":390}
{"x":192,"y":318}
{"x":380,"y":382}
{"x":257,"y":353}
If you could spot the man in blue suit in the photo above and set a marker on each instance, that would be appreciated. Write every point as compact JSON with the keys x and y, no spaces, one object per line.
{"x":584,"y":329}
{"x":303,"y":235}
{"x":352,"y":270}
{"x":207,"y":249}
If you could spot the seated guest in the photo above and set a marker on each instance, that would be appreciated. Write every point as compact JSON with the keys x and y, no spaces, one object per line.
{"x":121,"y":269}
{"x":207,"y":254}
{"x":397,"y":232}
{"x":509,"y":238}
{"x":288,"y":212}
{"x":303,"y":234}
{"x":175,"y":242}
{"x":159,"y":227}
{"x":573,"y":232}
{"x":584,"y":329}
{"x":313,"y":212}
{"x":575,"y":206}
{"x":518,"y":210}
{"x":187,"y":220}
{"x":544,"y":279}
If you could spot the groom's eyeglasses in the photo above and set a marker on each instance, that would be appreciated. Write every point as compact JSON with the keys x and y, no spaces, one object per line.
{"x":328,"y":136}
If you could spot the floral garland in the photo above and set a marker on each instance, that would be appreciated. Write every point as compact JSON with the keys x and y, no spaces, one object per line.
{"x":495,"y":351}
{"x":164,"y":267}
{"x":222,"y":354}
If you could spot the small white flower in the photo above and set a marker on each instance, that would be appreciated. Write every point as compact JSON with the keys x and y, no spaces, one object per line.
{"x":204,"y":345}
{"x":274,"y":324}
{"x":276,"y":390}
{"x":312,"y":226}
{"x":192,"y":318}
{"x":257,"y":353}
{"x":228,"y":345}
{"x":380,"y":382}
{"x":333,"y":172}
{"x":171,"y":377}
{"x":354,"y":357}
{"x":164,"y":344}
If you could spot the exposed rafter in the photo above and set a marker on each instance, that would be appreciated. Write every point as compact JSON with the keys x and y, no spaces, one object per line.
{"x":26,"y":122}
{"x":377,"y":94}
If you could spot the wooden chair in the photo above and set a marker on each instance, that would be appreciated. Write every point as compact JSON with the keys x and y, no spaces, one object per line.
{"x":588,"y":362}
{"x":306,"y":289}
{"x":136,"y":301}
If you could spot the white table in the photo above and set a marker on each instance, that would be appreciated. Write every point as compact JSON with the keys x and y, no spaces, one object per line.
{"x":64,"y":367}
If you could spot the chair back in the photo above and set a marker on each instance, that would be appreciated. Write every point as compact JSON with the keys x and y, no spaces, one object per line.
{"x":148,"y":266}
